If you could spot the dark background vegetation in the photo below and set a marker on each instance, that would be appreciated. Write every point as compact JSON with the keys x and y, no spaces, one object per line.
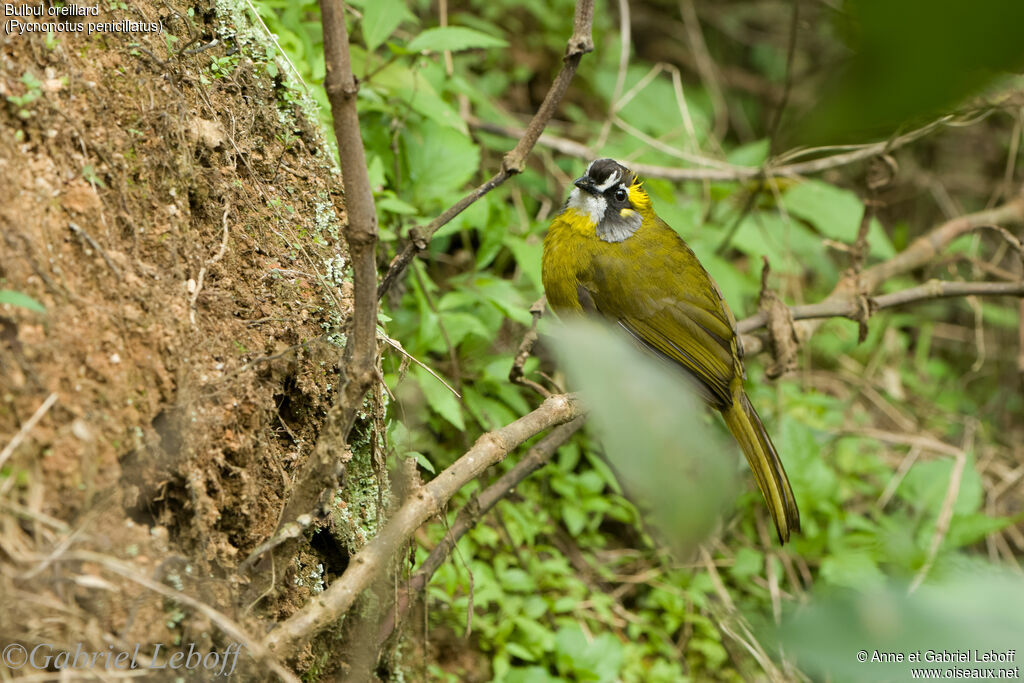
{"x":183,"y":417}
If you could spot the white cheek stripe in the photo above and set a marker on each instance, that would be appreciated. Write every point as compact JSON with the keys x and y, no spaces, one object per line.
{"x":613,"y":178}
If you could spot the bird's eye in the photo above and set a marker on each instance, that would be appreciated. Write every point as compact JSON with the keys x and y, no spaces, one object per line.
{"x":620,"y":195}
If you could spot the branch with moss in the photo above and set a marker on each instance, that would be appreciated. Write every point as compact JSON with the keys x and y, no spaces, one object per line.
{"x":514,"y":161}
{"x":323,"y":468}
{"x":422,"y":504}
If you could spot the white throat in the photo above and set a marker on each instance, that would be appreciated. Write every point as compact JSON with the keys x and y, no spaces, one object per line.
{"x":592,"y":205}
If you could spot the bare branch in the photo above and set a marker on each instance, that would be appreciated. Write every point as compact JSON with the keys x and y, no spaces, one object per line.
{"x":926,"y":247}
{"x":468,"y":516}
{"x":844,"y":308}
{"x":773,"y":168}
{"x":580,"y":43}
{"x":843,"y":299}
{"x":421,"y":505}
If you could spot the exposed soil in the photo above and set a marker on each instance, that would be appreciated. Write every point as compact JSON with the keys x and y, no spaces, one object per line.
{"x":171,"y":207}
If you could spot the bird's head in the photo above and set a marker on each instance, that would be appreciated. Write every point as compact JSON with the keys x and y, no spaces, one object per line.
{"x":612,"y":197}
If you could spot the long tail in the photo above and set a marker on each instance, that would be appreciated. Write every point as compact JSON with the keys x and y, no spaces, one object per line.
{"x":745,"y":425}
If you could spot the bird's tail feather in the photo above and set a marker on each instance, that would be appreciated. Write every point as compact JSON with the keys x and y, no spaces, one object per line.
{"x":745,"y":425}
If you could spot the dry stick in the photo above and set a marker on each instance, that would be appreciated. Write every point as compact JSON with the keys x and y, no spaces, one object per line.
{"x":203,"y":270}
{"x":921,"y":251}
{"x":580,"y":44}
{"x":26,"y":428}
{"x":222,"y":621}
{"x":943,"y":520}
{"x":323,"y":468}
{"x":421,"y":505}
{"x":473,"y":513}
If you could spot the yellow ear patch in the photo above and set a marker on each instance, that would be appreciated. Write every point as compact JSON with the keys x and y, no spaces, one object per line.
{"x":638,"y":196}
{"x":626,"y":213}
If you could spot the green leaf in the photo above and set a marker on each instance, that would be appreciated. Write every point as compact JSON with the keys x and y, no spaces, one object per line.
{"x":9,"y":296}
{"x":422,"y":460}
{"x":836,"y":213}
{"x":790,"y":245}
{"x":574,"y":518}
{"x":527,"y":255}
{"x":926,"y":484}
{"x":530,"y":674}
{"x":380,"y":19}
{"x":968,"y":529}
{"x":584,"y":658}
{"x":440,"y":398}
{"x":396,"y":205}
{"x":516,"y":580}
{"x":439,"y":160}
{"x":517,"y":650}
{"x":749,"y":562}
{"x":411,"y":87}
{"x":504,"y":295}
{"x":453,"y":38}
{"x":852,"y":569}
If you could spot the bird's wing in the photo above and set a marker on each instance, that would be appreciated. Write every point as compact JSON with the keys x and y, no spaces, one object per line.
{"x":675,"y":333}
{"x":683,"y":320}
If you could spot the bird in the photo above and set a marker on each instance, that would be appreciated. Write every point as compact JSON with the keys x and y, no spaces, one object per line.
{"x":608,"y":254}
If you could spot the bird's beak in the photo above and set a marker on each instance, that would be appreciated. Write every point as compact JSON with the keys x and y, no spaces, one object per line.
{"x":586,"y":184}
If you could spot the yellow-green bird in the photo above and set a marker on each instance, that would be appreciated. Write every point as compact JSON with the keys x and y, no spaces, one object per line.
{"x":607,"y":253}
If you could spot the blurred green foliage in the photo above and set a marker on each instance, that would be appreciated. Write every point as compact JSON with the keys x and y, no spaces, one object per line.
{"x":968,"y":620}
{"x":914,"y":59}
{"x":651,"y":426}
{"x":563,"y":580}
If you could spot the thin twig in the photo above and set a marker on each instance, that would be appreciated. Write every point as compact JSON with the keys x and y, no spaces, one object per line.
{"x":397,"y":345}
{"x":943,"y":520}
{"x":780,"y":108}
{"x":580,"y":44}
{"x":705,"y":67}
{"x":516,"y":374}
{"x":78,"y":230}
{"x":625,"y":41}
{"x":284,"y":533}
{"x":421,"y":505}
